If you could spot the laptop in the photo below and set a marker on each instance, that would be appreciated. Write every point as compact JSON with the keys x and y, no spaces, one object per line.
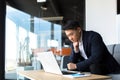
{"x":50,"y":65}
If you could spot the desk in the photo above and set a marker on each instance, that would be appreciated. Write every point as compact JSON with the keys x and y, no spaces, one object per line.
{"x":41,"y":75}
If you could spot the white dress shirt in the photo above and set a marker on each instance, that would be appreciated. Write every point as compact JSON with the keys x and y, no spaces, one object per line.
{"x":81,"y":48}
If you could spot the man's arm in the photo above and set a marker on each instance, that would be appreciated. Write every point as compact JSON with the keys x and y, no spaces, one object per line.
{"x":97,"y":50}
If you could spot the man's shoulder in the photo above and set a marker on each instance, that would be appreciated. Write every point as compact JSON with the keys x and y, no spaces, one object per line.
{"x":91,"y":32}
{"x":89,"y":35}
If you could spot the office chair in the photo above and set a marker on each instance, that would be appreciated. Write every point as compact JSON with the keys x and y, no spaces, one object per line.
{"x":64,"y":62}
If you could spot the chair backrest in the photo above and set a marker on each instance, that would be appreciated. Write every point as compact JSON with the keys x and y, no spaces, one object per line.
{"x":64,"y":62}
{"x":66,"y":51}
{"x":114,"y":49}
{"x":117,"y":53}
{"x":111,"y":48}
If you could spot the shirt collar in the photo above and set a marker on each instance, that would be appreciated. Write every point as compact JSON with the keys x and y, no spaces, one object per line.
{"x":80,"y":42}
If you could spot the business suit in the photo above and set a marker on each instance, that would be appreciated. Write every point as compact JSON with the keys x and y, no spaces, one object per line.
{"x":96,"y":52}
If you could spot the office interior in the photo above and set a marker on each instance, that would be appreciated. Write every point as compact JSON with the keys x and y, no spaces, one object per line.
{"x":28,"y":27}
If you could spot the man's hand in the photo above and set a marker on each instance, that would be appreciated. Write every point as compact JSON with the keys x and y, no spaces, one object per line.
{"x":71,"y":66}
{"x":76,"y":46}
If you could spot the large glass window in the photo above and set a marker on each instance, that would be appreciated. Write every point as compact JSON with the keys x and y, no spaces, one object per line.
{"x":24,"y":35}
{"x":57,"y":34}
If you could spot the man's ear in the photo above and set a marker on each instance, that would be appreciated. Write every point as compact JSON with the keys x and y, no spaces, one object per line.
{"x":79,"y":29}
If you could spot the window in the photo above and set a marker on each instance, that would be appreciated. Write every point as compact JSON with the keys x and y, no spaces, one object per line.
{"x":25,"y":33}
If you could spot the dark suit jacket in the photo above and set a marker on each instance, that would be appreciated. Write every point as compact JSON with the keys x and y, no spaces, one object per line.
{"x":96,"y":52}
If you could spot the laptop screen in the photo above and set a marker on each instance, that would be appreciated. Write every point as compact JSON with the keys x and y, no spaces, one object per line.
{"x":49,"y":62}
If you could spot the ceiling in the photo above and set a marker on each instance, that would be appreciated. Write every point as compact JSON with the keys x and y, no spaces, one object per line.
{"x":58,"y":10}
{"x":62,"y":9}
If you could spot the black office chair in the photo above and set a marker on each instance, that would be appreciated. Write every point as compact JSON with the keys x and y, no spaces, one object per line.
{"x":64,"y":62}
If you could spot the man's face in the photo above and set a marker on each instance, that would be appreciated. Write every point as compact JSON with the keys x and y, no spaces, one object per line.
{"x":73,"y":35}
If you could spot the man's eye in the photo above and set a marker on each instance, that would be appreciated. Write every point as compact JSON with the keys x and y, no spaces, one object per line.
{"x":71,"y":33}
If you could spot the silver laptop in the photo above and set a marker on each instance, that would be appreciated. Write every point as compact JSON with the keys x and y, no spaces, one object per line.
{"x":50,"y":65}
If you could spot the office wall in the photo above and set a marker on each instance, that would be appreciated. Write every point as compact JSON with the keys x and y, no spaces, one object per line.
{"x":118,"y":26}
{"x":101,"y":17}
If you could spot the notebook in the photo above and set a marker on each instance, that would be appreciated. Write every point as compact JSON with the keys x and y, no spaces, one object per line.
{"x":50,"y":65}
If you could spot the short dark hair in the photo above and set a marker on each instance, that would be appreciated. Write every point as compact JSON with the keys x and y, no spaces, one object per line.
{"x":71,"y":24}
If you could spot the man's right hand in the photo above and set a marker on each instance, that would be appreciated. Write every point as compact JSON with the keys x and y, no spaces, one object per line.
{"x":76,"y":46}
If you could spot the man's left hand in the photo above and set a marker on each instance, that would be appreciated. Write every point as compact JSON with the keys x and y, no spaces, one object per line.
{"x":71,"y":66}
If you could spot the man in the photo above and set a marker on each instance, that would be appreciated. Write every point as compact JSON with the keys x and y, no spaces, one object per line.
{"x":89,"y":53}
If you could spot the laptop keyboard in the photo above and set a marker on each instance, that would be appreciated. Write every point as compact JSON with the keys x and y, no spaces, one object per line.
{"x":65,"y":72}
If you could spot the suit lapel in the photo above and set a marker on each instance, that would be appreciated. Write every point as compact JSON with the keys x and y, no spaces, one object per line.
{"x":85,"y":43}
